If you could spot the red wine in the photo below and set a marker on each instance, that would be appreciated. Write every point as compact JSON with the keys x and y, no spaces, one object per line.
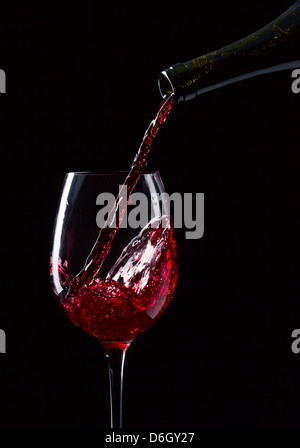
{"x":141,"y":283}
{"x":134,"y":294}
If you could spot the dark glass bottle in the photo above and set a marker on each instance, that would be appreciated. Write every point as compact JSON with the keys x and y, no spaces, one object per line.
{"x":272,"y":48}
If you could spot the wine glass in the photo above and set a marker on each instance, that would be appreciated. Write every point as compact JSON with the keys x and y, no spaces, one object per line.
{"x":113,"y":282}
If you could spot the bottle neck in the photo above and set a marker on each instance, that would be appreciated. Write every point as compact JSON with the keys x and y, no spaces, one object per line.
{"x":269,"y":49}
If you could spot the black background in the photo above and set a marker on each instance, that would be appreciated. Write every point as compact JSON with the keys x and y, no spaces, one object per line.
{"x":81,"y":90}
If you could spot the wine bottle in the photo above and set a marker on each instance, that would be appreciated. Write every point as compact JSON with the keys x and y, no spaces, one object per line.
{"x":274,"y":47}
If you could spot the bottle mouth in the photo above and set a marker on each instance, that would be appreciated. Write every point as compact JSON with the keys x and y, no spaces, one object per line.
{"x":165,"y":85}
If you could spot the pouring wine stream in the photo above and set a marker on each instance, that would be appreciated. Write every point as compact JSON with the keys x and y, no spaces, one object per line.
{"x":106,"y":235}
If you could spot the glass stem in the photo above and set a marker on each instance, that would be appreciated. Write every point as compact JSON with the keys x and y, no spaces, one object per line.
{"x":115,"y":354}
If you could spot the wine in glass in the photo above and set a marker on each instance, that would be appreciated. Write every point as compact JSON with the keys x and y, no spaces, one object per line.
{"x":115,"y":282}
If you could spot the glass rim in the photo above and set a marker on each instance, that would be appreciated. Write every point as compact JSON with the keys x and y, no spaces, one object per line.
{"x":110,"y":173}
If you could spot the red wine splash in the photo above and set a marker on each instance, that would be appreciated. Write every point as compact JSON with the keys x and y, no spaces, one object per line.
{"x":104,"y":241}
{"x":136,"y":291}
